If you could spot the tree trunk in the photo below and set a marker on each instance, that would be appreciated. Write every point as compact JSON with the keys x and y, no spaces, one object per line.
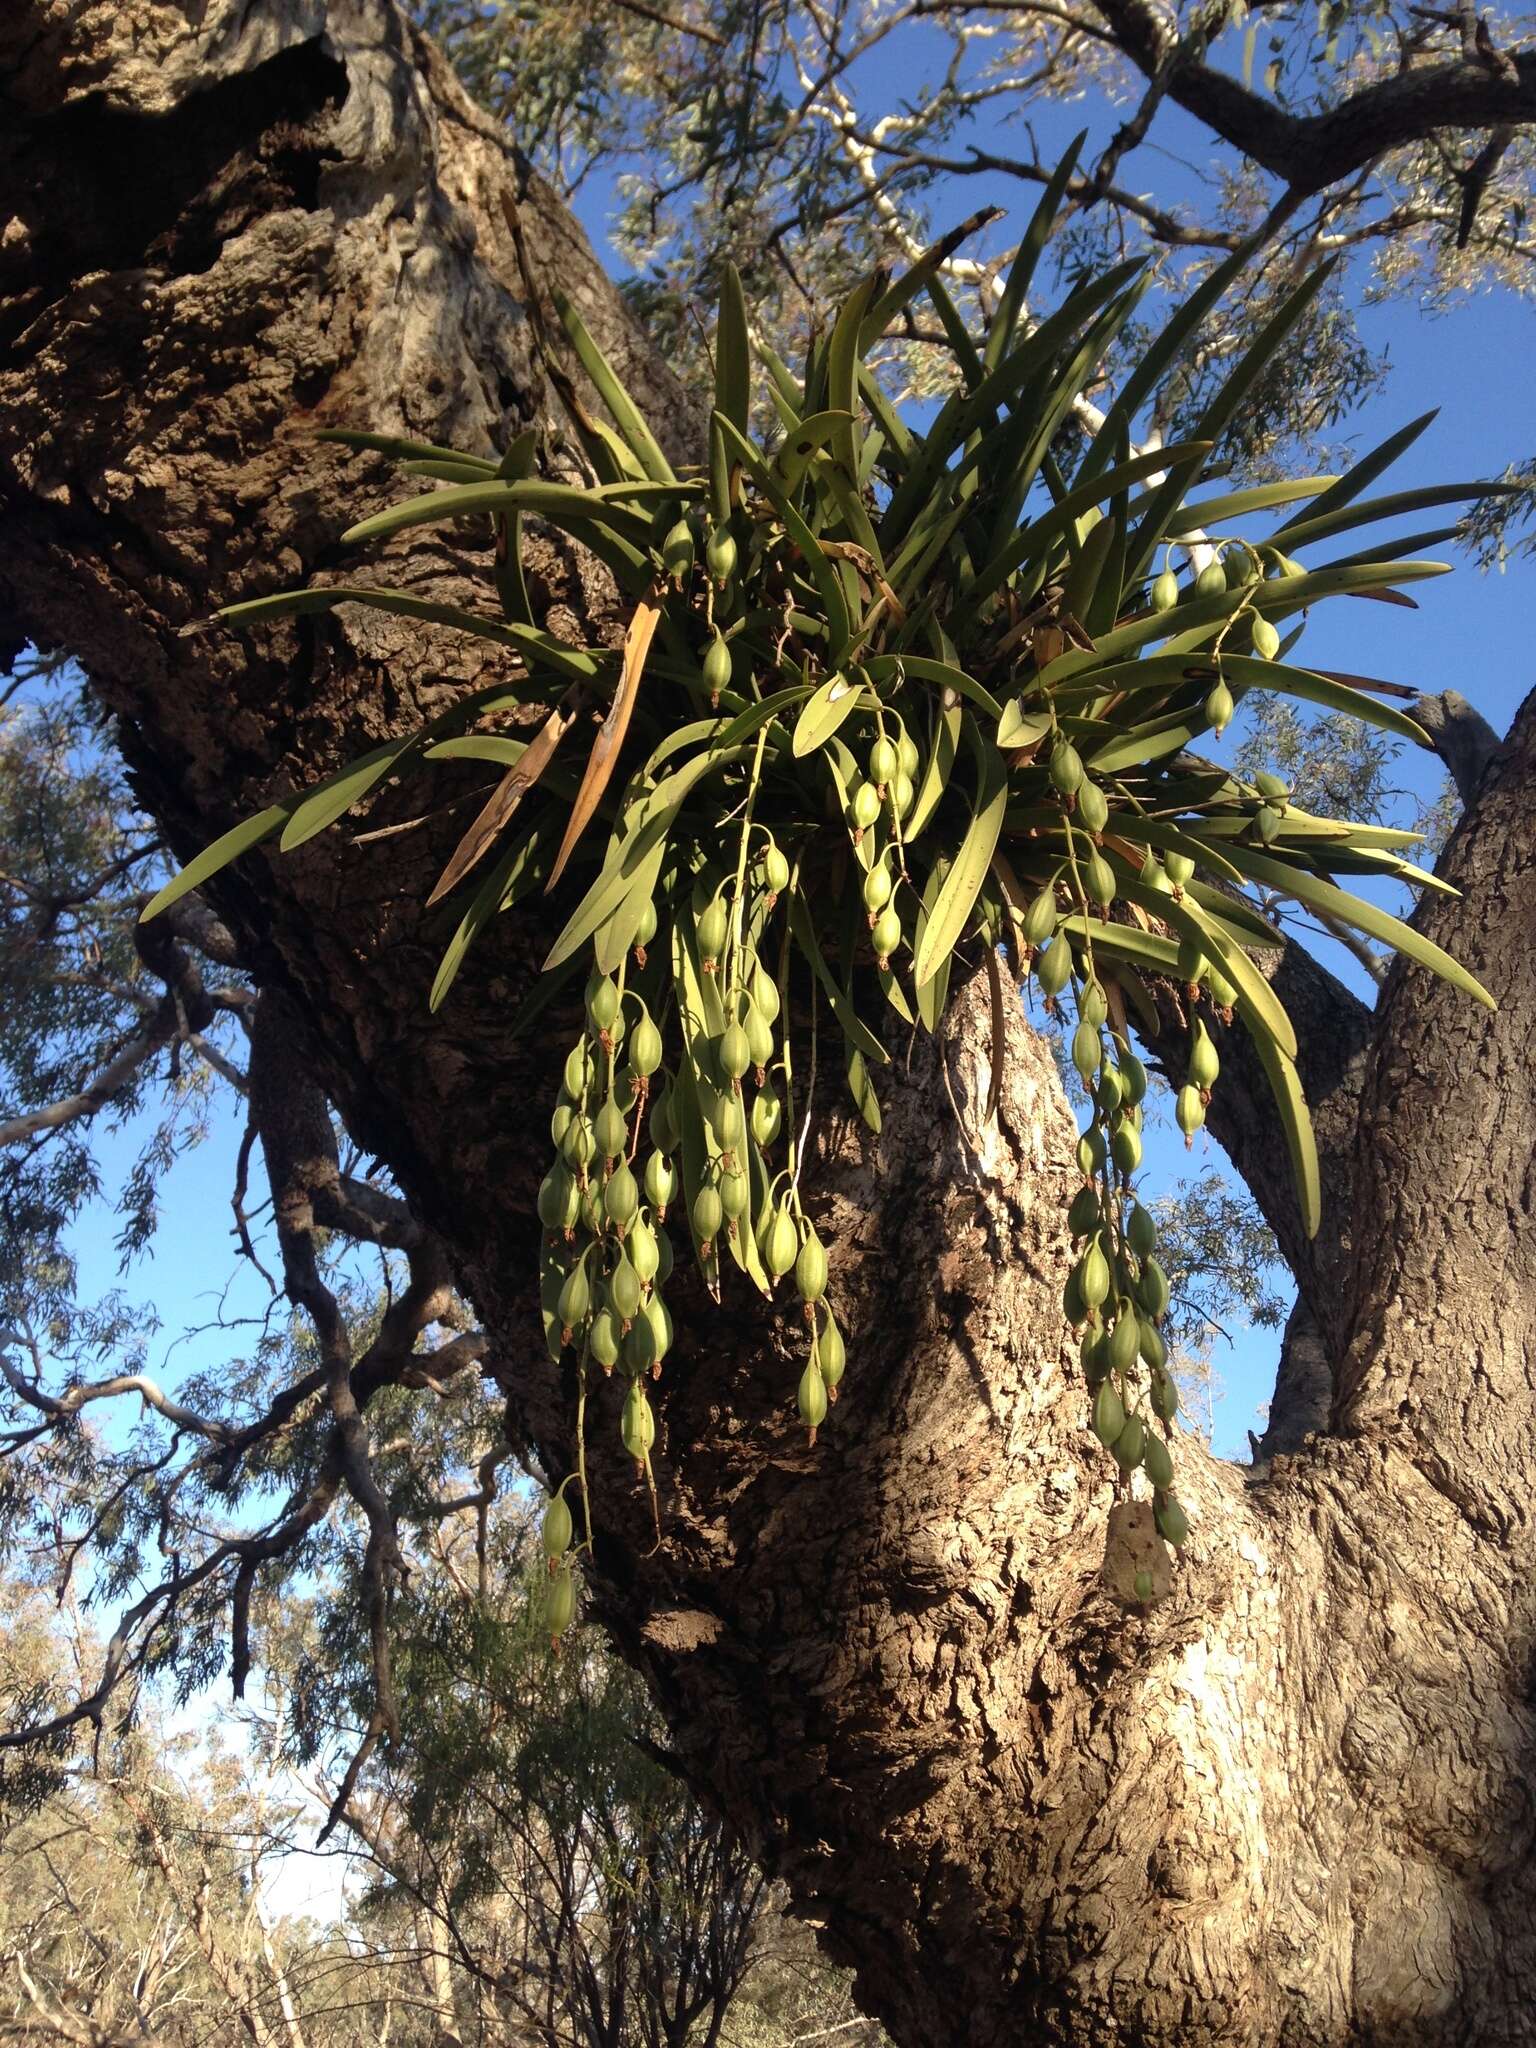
{"x":1288,"y":1803}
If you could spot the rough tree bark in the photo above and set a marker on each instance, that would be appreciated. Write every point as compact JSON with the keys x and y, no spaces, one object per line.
{"x":1291,"y":1802}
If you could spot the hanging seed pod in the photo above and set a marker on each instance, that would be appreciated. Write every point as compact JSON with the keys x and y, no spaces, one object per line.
{"x":1152,"y":1345}
{"x":811,"y":1268}
{"x":812,"y":1397}
{"x":712,"y":931}
{"x":734,"y":1052}
{"x":727,"y":1122}
{"x":677,"y":552}
{"x":1154,"y":875}
{"x":1124,"y":1338}
{"x":644,"y":1252}
{"x":903,"y":791}
{"x":1108,"y":1415}
{"x":1053,"y":966}
{"x":767,"y":1117}
{"x":602,"y":1003}
{"x":1157,"y":1463}
{"x":1219,"y":708}
{"x":1165,"y":591}
{"x":783,"y":1242}
{"x":717,"y":667}
{"x":1073,"y":1306}
{"x":1172,"y":1522}
{"x":775,"y":871}
{"x":1066,"y":769}
{"x":1133,"y":1076}
{"x":1220,"y":990}
{"x":831,"y":1354}
{"x":1181,"y":868}
{"x":1093,"y":1275}
{"x":1099,"y":881}
{"x":1091,"y":1152}
{"x":578,"y":1148}
{"x":864,"y":806}
{"x":663,"y":1259}
{"x":1164,"y":1396}
{"x":708,"y":1212}
{"x":1192,"y":962}
{"x":1266,"y":641}
{"x":659,"y":1316}
{"x":885,"y":935}
{"x":1189,"y":1112}
{"x":1275,"y":787}
{"x":663,"y":1122}
{"x":610,"y":1129}
{"x":559,"y":1604}
{"x":645,"y":931}
{"x":640,"y":1354}
{"x":907,"y":756}
{"x":1204,"y":1063}
{"x":1092,"y":807}
{"x":759,"y":1038}
{"x":1040,"y":917}
{"x":593,"y":1220}
{"x":559,"y":1199}
{"x":1211,"y":581}
{"x":1267,"y":822}
{"x":605,"y":1337}
{"x":1125,"y":1146}
{"x":720,"y":554}
{"x":1084,"y":1216}
{"x":637,"y":1426}
{"x":557,"y":1530}
{"x":1093,"y":1356}
{"x":1093,"y":1003}
{"x":884,"y":763}
{"x":560,"y":1120}
{"x":1141,"y":1231}
{"x":1153,"y":1289}
{"x":660,"y":1182}
{"x":578,"y":1071}
{"x":1110,"y":1092}
{"x":621,"y":1198}
{"x":624,"y":1291}
{"x":1130,"y":1444}
{"x":645,"y":1048}
{"x":877,"y":889}
{"x":1087,"y":1049}
{"x":765,"y":992}
{"x":734,"y":1195}
{"x":575,"y":1300}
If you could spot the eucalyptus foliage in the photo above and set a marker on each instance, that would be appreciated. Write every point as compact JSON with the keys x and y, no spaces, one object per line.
{"x":893,"y":701}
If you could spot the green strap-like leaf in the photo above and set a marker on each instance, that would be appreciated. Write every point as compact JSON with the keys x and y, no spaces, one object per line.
{"x":338,"y":793}
{"x":855,"y":1030}
{"x":1301,"y":1143}
{"x":1021,"y":271}
{"x":562,"y":504}
{"x":229,"y":846}
{"x":962,"y":885}
{"x":1362,"y":474}
{"x":403,"y":450}
{"x":517,"y":874}
{"x":824,"y":711}
{"x":627,"y":416}
{"x":839,"y":626}
{"x":528,"y":641}
{"x":733,"y":352}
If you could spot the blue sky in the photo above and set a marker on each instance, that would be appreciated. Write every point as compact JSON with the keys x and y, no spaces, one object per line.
{"x":1472,"y":633}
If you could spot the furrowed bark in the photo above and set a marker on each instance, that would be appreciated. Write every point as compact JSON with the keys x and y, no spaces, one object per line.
{"x":1286,"y":1803}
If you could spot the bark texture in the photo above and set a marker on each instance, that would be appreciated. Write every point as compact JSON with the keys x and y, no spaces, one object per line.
{"x":1289,"y":1803}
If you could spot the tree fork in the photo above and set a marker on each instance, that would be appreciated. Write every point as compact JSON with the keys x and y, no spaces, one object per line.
{"x":1288,"y":1803}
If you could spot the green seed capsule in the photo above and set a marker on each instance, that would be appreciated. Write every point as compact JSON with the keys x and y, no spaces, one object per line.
{"x":1192,"y":962}
{"x":1153,"y":874}
{"x":663,"y":1258}
{"x":659,"y":1316}
{"x":1091,"y":1151}
{"x":903,"y":791}
{"x":884,"y":762}
{"x":906,"y":756}
{"x":717,"y":666}
{"x":783,"y":1243}
{"x":865,"y":806}
{"x":1093,"y":1356}
{"x":1143,"y":1585}
{"x":560,"y":1119}
{"x":1219,"y":708}
{"x":645,"y":1049}
{"x":1040,"y":918}
{"x":1092,"y":807}
{"x":1204,"y":1062}
{"x":1110,"y":1092}
{"x":1141,"y":1232}
{"x":811,"y":1269}
{"x":1273,"y":786}
{"x":1165,"y":1396}
{"x":775,"y":871}
{"x":560,"y":1603}
{"x":1099,"y":881}
{"x":886,"y":936}
{"x":812,"y":1397}
{"x":1125,"y":1146}
{"x":663,"y":1123}
{"x":1093,"y":1003}
{"x":1171,"y":1519}
{"x":877,"y":888}
{"x":1053,"y":966}
{"x":759,"y":1037}
{"x":1189,"y":1111}
{"x":1180,"y":868}
{"x":557,"y":1531}
{"x":660,"y":1182}
{"x":1084,"y":1216}
{"x":1157,"y":1463}
{"x":559,"y":1199}
{"x":831,"y":1355}
{"x":1093,"y":1275}
{"x":734,"y":1195}
{"x":1073,"y":1306}
{"x":1268,"y":822}
{"x":735,"y":1051}
{"x":707,"y":1214}
{"x":713,"y":926}
{"x":1165,"y":591}
{"x":1211,"y":581}
{"x":575,"y":1297}
{"x":637,"y":1426}
{"x":728,"y":1122}
{"x":602,"y":1004}
{"x":767,"y":1116}
{"x":765,"y":992}
{"x":640,"y":1352}
{"x":644,"y":1253}
{"x":578,"y":1071}
{"x":592,"y":1218}
{"x":1266,"y":641}
{"x":625,"y":1291}
{"x":1134,"y":1075}
{"x":1221,"y":991}
{"x":1066,"y":768}
{"x":610,"y":1129}
{"x":1153,"y":1288}
{"x":1125,"y":1338}
{"x":1108,"y":1413}
{"x":1131,"y":1443}
{"x":677,"y":550}
{"x":1087,"y":1049}
{"x":720,"y":554}
{"x":621,"y":1198}
{"x":1152,"y":1346}
{"x":645,"y":930}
